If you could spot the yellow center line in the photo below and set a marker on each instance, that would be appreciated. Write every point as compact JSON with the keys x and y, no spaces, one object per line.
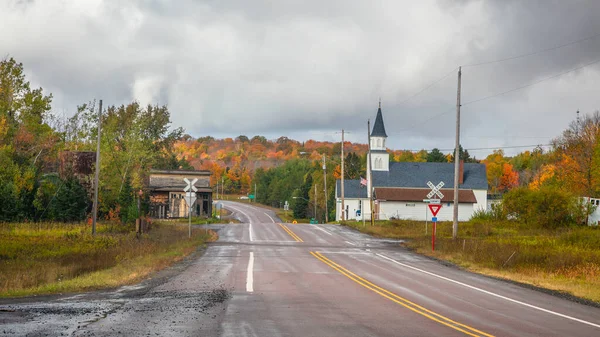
{"x":292,"y":234}
{"x":400,"y":300}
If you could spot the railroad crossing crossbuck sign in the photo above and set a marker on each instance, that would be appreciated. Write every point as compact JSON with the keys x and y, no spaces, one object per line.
{"x":435,"y":190}
{"x":190,"y":196}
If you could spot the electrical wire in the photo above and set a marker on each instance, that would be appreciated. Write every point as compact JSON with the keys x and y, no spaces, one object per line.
{"x":531,"y":84}
{"x":488,"y":148}
{"x":428,"y":86}
{"x":531,"y":53}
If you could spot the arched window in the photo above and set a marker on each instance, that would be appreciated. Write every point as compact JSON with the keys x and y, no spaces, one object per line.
{"x":378,"y":163}
{"x":383,"y":143}
{"x":378,"y":142}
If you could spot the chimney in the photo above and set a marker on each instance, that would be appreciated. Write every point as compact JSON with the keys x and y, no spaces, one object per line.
{"x":461,"y":172}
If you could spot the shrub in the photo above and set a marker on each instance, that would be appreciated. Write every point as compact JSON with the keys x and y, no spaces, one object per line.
{"x":547,"y":207}
{"x":494,"y":213}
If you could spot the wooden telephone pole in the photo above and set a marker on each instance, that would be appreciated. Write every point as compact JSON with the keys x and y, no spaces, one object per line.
{"x":97,"y":174}
{"x":370,"y":177}
{"x":456,"y":161}
{"x":325,"y":187}
{"x":342,"y":187}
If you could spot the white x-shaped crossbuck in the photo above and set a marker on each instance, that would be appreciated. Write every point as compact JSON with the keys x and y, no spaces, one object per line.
{"x":435,"y":190}
{"x":190,"y":184}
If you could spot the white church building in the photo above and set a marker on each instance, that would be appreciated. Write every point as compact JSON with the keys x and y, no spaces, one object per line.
{"x":400,"y":189}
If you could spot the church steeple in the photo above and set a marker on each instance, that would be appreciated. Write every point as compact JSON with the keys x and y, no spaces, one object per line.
{"x":378,"y":127}
{"x":380,"y":158}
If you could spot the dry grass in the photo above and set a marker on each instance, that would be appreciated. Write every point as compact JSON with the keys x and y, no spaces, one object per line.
{"x":566,"y":259}
{"x":50,"y":258}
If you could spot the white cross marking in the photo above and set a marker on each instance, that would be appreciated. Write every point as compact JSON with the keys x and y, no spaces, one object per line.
{"x":435,"y":190}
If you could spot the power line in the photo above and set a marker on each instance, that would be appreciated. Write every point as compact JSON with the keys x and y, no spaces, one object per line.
{"x":428,"y":86}
{"x":532,"y":83}
{"x":487,"y":148}
{"x":532,"y":53}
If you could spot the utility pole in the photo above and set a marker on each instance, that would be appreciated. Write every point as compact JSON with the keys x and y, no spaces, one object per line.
{"x":325,"y":187}
{"x":315,"y":201}
{"x":343,"y":213}
{"x":255,"y":192}
{"x":456,"y":161}
{"x":217,"y":189}
{"x":370,"y":177}
{"x":97,"y":175}
{"x":222,"y":187}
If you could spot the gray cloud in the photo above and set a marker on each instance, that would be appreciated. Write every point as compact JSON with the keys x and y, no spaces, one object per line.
{"x":307,"y":68}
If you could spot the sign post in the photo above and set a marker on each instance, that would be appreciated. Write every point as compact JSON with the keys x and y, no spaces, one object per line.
{"x":190,"y":198}
{"x":434,"y":206}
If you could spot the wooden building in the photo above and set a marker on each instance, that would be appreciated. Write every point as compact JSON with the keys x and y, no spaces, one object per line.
{"x":167,"y":198}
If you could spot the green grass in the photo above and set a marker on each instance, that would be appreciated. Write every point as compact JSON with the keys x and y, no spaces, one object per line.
{"x":54,"y":257}
{"x":566,"y":259}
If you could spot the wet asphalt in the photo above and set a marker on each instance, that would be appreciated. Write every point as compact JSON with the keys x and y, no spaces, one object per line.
{"x":263,"y":278}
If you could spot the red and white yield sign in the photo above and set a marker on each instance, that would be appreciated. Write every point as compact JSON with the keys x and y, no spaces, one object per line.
{"x":435,"y":208}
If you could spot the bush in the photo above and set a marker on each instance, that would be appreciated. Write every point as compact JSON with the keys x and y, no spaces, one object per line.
{"x":495,"y":213}
{"x":548,"y":207}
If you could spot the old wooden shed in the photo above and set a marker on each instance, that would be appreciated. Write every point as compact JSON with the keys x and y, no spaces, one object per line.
{"x":167,"y":198}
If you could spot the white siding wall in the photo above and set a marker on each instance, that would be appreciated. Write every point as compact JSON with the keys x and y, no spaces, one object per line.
{"x":352,"y":205}
{"x":400,"y":210}
{"x":481,"y":196}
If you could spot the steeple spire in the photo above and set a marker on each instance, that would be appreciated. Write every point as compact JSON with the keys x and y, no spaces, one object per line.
{"x":378,"y":127}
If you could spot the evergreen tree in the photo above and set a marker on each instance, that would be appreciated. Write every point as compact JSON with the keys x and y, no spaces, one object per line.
{"x":436,"y":156}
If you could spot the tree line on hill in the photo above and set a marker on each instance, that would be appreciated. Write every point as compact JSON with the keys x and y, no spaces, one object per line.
{"x":137,"y":138}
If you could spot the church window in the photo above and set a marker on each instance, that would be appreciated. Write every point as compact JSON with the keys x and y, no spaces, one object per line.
{"x":378,"y":142}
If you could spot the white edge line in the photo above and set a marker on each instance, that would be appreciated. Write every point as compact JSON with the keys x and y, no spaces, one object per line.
{"x":348,"y":242}
{"x":249,"y":274}
{"x":491,"y":293}
{"x":321,"y":229}
{"x":250,"y":232}
{"x":269,"y":217}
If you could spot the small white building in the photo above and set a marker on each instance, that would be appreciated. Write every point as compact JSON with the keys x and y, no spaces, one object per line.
{"x":399,"y":189}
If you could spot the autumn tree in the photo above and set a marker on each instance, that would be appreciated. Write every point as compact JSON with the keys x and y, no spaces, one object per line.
{"x":577,"y":152}
{"x":27,"y":142}
{"x":509,"y":178}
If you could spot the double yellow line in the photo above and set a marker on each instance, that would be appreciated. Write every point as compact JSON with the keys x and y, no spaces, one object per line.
{"x":292,"y":234}
{"x":400,"y":300}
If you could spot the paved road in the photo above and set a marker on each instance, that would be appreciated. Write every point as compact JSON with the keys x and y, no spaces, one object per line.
{"x":263,"y":278}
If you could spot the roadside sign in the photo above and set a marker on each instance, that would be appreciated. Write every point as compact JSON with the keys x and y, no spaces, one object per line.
{"x":190,"y":198}
{"x":190,"y":184}
{"x":434,"y":208}
{"x":435,"y":190}
{"x":251,"y":196}
{"x":426,"y":201}
{"x":435,"y":201}
{"x":434,"y":219}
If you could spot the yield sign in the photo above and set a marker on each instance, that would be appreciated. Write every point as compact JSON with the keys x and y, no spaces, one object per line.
{"x":434,"y":208}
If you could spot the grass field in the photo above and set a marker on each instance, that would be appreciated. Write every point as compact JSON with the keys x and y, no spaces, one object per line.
{"x":55,"y":257}
{"x":566,"y":259}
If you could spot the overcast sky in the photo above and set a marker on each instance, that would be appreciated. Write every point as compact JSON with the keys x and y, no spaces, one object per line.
{"x":306,"y":69}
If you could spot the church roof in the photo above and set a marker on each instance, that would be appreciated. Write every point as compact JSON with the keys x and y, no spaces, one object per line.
{"x":378,"y":127}
{"x":416,"y":175}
